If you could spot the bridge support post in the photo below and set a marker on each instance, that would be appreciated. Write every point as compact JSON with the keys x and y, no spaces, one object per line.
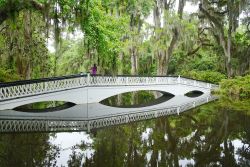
{"x":155,"y":114}
{"x":88,"y":127}
{"x":88,"y":79}
{"x":178,"y":110}
{"x":126,"y":119}
{"x":179,"y":79}
{"x":1,"y":94}
{"x":126,"y":81}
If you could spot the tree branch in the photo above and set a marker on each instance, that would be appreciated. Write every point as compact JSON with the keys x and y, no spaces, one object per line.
{"x":210,"y":17}
{"x":194,"y":51}
{"x":4,"y":27}
{"x":10,"y":7}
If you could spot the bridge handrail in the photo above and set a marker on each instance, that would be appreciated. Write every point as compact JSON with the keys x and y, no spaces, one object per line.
{"x":24,"y":88}
{"x":173,"y":76}
{"x":31,"y":81}
{"x":23,"y":82}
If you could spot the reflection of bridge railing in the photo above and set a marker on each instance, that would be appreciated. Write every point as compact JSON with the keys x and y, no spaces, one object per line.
{"x":25,"y":88}
{"x":86,"y":125}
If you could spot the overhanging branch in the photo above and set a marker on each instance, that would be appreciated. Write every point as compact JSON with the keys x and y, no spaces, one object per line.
{"x":11,"y":7}
{"x":210,"y":17}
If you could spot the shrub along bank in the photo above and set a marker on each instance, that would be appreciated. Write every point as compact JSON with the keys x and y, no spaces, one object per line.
{"x":208,"y":76}
{"x":238,"y":87}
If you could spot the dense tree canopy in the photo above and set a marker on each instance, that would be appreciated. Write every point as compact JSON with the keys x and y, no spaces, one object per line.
{"x":123,"y":37}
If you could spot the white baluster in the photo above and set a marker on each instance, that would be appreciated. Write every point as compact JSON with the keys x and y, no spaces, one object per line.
{"x":179,"y":79}
{"x":88,"y":79}
{"x":194,"y":104}
{"x":1,"y":93}
{"x":178,"y":110}
{"x":155,"y":114}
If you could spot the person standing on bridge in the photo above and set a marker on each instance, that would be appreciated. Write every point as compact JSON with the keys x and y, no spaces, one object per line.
{"x":94,"y":69}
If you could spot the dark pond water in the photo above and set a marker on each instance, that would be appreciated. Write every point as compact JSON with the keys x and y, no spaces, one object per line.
{"x":138,"y":99}
{"x":48,"y":106}
{"x":215,"y":134}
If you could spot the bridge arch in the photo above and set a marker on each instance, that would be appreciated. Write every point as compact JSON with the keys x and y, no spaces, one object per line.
{"x":87,"y":89}
{"x":76,"y":96}
{"x":163,"y":92}
{"x":97,"y":94}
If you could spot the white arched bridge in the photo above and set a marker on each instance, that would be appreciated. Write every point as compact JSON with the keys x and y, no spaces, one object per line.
{"x":85,"y":89}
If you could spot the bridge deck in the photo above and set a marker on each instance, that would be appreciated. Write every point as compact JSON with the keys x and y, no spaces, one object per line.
{"x":80,"y":89}
{"x":20,"y":89}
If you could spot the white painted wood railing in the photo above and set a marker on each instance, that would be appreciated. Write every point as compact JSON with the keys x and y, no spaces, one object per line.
{"x":35,"y":87}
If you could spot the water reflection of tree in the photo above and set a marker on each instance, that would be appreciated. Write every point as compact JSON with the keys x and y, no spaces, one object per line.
{"x":205,"y":135}
{"x":130,"y":98}
{"x":27,"y":150}
{"x":244,"y":151}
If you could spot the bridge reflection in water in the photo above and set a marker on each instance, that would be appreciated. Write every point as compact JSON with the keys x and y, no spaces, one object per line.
{"x":86,"y":117}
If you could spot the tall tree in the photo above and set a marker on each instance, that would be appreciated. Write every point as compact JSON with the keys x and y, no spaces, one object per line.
{"x":166,"y":45}
{"x":223,"y":17}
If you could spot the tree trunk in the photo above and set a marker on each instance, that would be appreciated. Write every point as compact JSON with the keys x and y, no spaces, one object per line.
{"x":120,"y":72}
{"x":171,"y":47}
{"x":223,"y":42}
{"x":161,"y":70}
{"x":133,"y":49}
{"x":164,"y":55}
{"x":227,"y":53}
{"x":134,"y":61}
{"x":160,"y":55}
{"x":27,"y":40}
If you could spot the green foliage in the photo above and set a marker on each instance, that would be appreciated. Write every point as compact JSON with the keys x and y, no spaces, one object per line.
{"x":33,"y":150}
{"x":102,"y":35}
{"x":238,"y":87}
{"x":240,"y":60}
{"x":234,"y":103}
{"x":72,"y":59}
{"x":209,"y":76}
{"x":8,"y":75}
{"x":203,"y":60}
{"x":23,"y":46}
{"x":113,"y":32}
{"x":2,"y":2}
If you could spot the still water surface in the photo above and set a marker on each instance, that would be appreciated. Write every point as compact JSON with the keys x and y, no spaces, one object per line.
{"x":210,"y":135}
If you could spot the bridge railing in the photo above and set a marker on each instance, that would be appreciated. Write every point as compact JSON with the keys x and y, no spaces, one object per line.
{"x":192,"y":82}
{"x":25,"y":88}
{"x":138,"y":80}
{"x":128,"y":80}
{"x":34,"y":87}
